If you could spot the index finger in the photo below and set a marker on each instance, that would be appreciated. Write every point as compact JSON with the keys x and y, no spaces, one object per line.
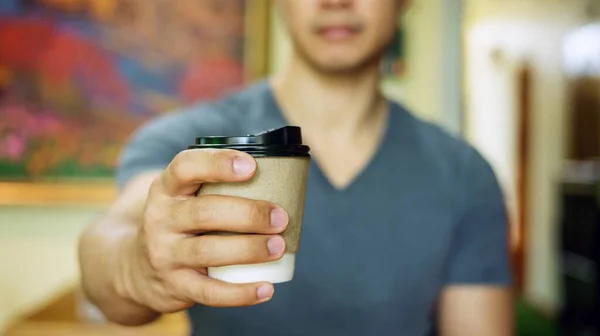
{"x":190,"y":168}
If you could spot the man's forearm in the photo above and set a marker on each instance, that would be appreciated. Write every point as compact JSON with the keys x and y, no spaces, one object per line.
{"x":471,"y":310}
{"x":106,"y":254}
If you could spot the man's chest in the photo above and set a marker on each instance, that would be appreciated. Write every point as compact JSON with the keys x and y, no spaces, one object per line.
{"x":368,"y":264}
{"x":379,"y":251}
{"x":371,"y":261}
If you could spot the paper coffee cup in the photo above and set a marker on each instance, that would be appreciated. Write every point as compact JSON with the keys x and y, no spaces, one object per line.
{"x":282,"y":175}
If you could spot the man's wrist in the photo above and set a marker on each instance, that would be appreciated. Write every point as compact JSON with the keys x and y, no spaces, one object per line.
{"x":126,"y":262}
{"x":128,"y":280}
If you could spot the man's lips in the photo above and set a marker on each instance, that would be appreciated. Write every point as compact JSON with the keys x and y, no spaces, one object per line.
{"x":338,"y":32}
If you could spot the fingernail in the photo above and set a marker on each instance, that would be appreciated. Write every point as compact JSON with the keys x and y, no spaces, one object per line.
{"x":279,"y":218}
{"x":276,"y":245}
{"x":243,"y":165}
{"x":265,"y":292}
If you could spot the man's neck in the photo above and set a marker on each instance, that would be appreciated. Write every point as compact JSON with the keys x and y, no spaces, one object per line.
{"x":342,"y":116}
{"x":343,"y":104}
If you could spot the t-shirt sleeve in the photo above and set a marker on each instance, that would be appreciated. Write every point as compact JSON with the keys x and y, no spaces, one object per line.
{"x":151,"y":147}
{"x":480,"y":247}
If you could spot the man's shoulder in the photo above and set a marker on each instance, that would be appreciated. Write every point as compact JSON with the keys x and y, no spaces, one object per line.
{"x":447,"y":151}
{"x":250,"y":102}
{"x":154,"y":144}
{"x":238,"y":111}
{"x":433,"y":138}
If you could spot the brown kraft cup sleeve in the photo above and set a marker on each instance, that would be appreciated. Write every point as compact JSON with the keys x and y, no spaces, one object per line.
{"x":279,"y":180}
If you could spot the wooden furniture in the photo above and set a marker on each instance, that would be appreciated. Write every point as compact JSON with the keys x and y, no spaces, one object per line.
{"x":524,"y":116}
{"x":584,"y":114}
{"x":60,"y":319}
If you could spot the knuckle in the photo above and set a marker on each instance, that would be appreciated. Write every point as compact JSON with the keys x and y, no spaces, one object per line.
{"x":178,"y":167}
{"x":259,"y":247}
{"x":251,"y":250}
{"x":153,"y":216}
{"x":202,"y":210}
{"x":220,"y":161}
{"x":167,"y":300}
{"x":179,"y":213}
{"x":212,"y":157}
{"x":210,"y":295}
{"x":155,"y":185}
{"x":257,"y":213}
{"x":215,"y":162}
{"x":158,"y":257}
{"x":204,"y":250}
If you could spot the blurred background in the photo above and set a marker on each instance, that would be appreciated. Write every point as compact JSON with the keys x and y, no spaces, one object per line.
{"x":518,"y":79}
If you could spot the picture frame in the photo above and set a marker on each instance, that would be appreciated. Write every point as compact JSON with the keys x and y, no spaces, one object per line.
{"x":70,"y":188}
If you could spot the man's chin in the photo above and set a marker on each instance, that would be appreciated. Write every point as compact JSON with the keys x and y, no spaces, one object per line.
{"x":343,"y":67}
{"x":338,"y":62}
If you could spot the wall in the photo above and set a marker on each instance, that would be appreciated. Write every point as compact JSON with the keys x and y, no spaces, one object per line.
{"x":531,"y":31}
{"x":37,"y":255}
{"x":421,"y":88}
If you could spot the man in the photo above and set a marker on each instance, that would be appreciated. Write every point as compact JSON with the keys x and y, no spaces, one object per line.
{"x":405,"y":229}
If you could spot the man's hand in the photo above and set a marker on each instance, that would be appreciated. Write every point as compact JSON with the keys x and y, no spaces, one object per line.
{"x":170,"y":256}
{"x":149,"y":256}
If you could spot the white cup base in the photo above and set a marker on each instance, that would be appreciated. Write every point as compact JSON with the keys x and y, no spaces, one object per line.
{"x":278,"y":271}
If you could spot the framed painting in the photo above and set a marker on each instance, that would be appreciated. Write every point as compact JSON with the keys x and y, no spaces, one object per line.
{"x":77,"y":77}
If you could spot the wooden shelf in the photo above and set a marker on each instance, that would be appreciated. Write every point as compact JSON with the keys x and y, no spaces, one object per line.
{"x":51,"y":193}
{"x":59,"y":318}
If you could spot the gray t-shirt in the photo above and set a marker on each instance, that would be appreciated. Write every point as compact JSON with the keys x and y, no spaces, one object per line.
{"x":426,"y":213}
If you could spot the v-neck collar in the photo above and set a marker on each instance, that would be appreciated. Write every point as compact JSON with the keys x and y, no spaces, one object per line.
{"x":365,"y":174}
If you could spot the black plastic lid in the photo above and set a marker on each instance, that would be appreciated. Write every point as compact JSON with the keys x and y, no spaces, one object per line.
{"x":285,"y":141}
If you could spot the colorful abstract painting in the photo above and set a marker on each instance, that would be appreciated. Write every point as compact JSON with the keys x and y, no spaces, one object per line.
{"x":77,"y":77}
